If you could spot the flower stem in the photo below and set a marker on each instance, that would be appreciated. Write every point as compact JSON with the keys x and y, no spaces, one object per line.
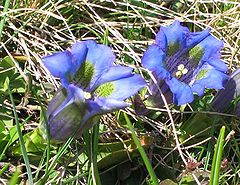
{"x":142,"y":152}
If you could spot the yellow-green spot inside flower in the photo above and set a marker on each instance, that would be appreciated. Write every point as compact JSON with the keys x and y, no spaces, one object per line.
{"x":196,"y":54}
{"x":202,"y":74}
{"x":172,"y":48}
{"x":84,"y":74}
{"x":181,"y":70}
{"x":105,"y":89}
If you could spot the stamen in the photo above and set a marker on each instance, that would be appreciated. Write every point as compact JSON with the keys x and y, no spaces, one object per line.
{"x":181,"y":71}
{"x":87,"y":95}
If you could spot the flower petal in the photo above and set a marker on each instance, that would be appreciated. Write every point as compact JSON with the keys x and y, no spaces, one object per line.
{"x":182,"y":93}
{"x":57,"y":100}
{"x":153,"y":58}
{"x":161,"y":40}
{"x":59,"y":65}
{"x":212,"y":47}
{"x":65,"y":116}
{"x":197,"y":37}
{"x":155,"y":98}
{"x":179,"y":39}
{"x":102,"y":58}
{"x":79,"y":52}
{"x":121,"y":89}
{"x":116,"y":73}
{"x":176,"y":36}
{"x":65,"y":123}
{"x":103,"y":105}
{"x":208,"y":77}
{"x":224,"y":97}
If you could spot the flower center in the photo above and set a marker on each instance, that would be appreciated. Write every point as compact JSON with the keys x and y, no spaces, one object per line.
{"x":181,"y":70}
{"x":87,"y":95}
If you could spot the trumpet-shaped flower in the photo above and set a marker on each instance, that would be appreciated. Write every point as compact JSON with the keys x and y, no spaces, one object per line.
{"x":184,"y":63}
{"x":227,"y":99}
{"x":92,"y":85}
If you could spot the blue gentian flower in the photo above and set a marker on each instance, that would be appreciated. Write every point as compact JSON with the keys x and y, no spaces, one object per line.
{"x":228,"y":99}
{"x":92,"y":85}
{"x":184,"y":63}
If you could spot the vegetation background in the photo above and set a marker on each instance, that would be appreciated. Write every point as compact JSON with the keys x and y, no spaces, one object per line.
{"x":31,"y":29}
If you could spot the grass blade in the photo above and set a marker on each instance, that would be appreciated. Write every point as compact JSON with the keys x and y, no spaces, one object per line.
{"x":23,"y":148}
{"x":142,"y":152}
{"x":217,"y":158}
{"x":3,"y":20}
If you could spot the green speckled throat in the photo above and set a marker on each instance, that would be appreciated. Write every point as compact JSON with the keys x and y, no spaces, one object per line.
{"x":202,"y":74}
{"x":196,"y":54}
{"x":172,"y":48}
{"x":105,"y":89}
{"x":84,"y":74}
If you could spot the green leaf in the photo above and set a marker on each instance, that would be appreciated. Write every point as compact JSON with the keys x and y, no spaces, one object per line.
{"x":6,"y":84}
{"x":10,"y":76}
{"x":168,"y":182}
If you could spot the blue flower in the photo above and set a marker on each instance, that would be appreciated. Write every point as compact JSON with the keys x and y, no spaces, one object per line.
{"x":184,"y":63}
{"x":92,"y":85}
{"x":228,"y":99}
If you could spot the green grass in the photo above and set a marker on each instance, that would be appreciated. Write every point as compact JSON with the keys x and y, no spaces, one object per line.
{"x":110,"y":152}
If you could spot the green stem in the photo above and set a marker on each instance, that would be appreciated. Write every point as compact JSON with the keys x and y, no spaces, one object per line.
{"x":141,"y":151}
{"x":23,"y":148}
{"x":3,"y":20}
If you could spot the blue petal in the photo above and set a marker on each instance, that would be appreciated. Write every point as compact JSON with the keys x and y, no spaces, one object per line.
{"x":208,"y":77}
{"x":182,"y":93}
{"x":79,"y":52}
{"x":197,"y":37}
{"x":217,"y":64}
{"x":235,"y":73}
{"x":59,"y":65}
{"x":225,"y":96}
{"x":116,"y":73}
{"x":176,"y":37}
{"x":161,"y":40}
{"x":60,"y":98}
{"x":153,"y":58}
{"x":102,"y":57}
{"x":179,"y":39}
{"x":121,"y":89}
{"x":212,"y":48}
{"x":103,"y":105}
{"x":72,"y":94}
{"x":65,"y":117}
{"x":127,"y":87}
{"x":155,"y":98}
